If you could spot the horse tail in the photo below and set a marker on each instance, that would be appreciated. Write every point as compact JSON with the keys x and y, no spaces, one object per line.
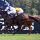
{"x":33,"y":18}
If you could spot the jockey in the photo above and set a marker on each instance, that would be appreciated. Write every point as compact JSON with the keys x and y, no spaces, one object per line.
{"x":19,"y":11}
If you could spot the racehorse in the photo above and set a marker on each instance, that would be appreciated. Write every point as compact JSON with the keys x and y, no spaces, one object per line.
{"x":20,"y":20}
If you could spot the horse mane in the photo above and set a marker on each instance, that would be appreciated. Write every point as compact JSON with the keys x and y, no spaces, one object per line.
{"x":34,"y":18}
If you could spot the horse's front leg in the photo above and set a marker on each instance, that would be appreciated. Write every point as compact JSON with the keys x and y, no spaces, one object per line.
{"x":19,"y":27}
{"x":30,"y":29}
{"x":23,"y":26}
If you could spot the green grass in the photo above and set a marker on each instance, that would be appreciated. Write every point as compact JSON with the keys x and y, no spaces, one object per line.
{"x":20,"y":37}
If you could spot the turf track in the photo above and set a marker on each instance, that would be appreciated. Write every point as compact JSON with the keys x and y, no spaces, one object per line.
{"x":19,"y":37}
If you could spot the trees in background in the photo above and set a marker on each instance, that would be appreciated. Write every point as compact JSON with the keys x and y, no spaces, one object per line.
{"x":29,"y":6}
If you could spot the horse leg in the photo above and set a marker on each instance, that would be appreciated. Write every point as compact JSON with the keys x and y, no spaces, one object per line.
{"x":30,"y":29}
{"x":23,"y":26}
{"x":19,"y":28}
{"x":13,"y":30}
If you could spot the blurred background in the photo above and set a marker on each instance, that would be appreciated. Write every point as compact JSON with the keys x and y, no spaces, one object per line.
{"x":29,"y":6}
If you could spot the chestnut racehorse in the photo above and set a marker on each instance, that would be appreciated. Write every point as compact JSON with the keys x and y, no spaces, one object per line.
{"x":20,"y":20}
